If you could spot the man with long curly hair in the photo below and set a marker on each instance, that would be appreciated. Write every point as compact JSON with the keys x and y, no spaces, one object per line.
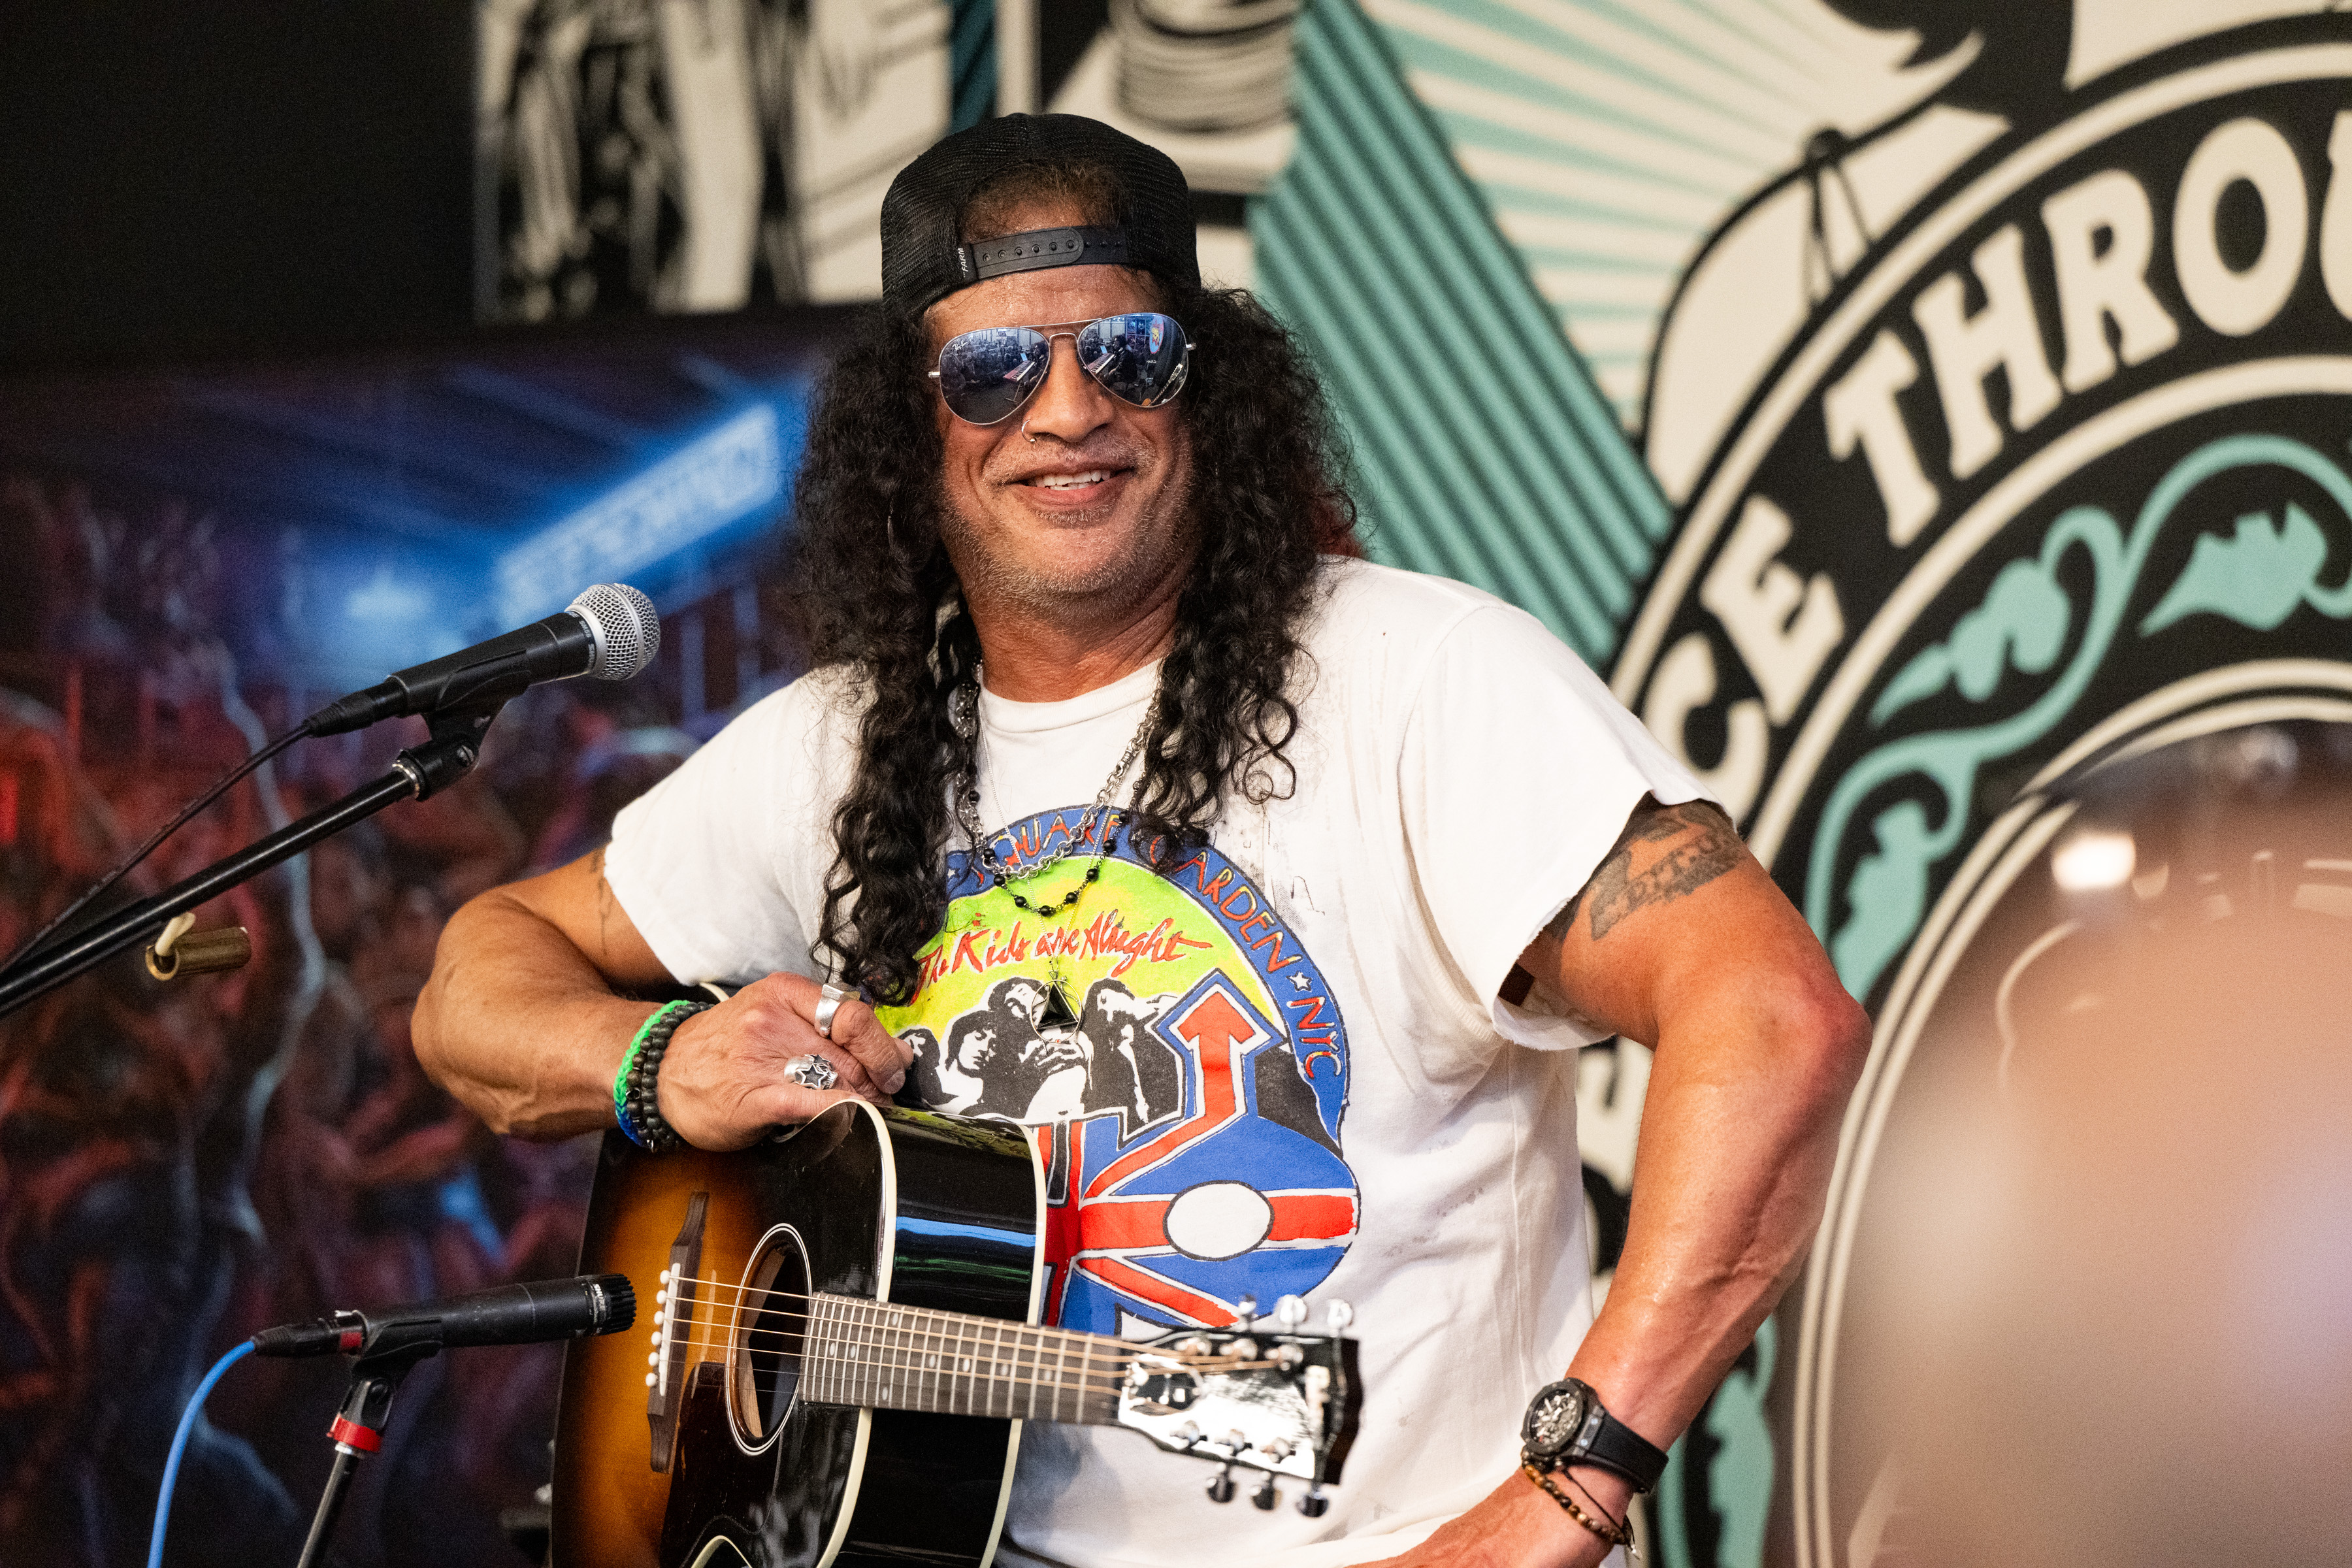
{"x":1102,"y":692}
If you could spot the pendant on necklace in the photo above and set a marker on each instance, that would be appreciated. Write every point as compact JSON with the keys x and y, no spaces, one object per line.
{"x":1059,"y":1021}
{"x":1059,"y":1014}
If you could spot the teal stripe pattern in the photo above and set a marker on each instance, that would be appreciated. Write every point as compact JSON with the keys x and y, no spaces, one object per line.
{"x":1483,"y":449}
{"x":971,"y":62}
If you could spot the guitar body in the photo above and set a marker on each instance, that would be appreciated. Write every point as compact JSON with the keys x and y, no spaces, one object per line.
{"x":729,"y":1467}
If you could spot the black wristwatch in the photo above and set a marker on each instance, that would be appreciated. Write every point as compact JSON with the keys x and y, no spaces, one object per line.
{"x":1566,"y":1424}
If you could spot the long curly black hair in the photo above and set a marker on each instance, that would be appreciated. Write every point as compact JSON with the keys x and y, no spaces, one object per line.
{"x":876,"y":597}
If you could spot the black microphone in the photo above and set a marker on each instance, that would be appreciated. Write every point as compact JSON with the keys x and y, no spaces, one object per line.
{"x":610,"y":632}
{"x":528,"y":1314}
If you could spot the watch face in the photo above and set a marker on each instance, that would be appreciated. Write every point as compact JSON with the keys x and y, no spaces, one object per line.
{"x":1554,"y":1418}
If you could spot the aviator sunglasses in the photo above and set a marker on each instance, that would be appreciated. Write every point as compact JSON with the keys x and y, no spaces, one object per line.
{"x":987,"y":376}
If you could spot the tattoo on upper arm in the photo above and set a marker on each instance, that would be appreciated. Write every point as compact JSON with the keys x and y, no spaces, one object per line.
{"x":1707,"y":847}
{"x":1560,"y":925}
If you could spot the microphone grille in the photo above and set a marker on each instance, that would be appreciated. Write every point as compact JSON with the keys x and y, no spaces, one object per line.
{"x":623,"y":626}
{"x":615,"y":1300}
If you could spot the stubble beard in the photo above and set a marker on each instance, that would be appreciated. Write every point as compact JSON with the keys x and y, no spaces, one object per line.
{"x":1108,"y":591}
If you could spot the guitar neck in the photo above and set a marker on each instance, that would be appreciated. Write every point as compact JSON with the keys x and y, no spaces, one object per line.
{"x":886,"y":1357}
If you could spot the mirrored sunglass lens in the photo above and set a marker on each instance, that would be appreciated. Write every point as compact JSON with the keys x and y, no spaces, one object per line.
{"x":985,"y":375}
{"x":1135,"y":357}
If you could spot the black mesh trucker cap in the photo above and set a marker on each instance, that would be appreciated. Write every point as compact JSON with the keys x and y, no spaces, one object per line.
{"x":924,"y":260}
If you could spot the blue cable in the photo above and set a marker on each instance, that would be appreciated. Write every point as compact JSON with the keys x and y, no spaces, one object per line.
{"x":180,"y":1446}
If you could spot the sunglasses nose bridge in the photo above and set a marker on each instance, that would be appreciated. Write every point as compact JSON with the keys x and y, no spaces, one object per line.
{"x":1049,"y":404}
{"x":1055,"y":336}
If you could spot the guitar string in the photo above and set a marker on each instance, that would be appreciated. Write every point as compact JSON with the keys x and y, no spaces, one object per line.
{"x":1086,"y":1378}
{"x":939,"y":1395}
{"x":1099,"y":1375}
{"x":931,"y":1323}
{"x":973,"y":1351}
{"x":889,"y":1359}
{"x":1074,"y":1336}
{"x":995,"y":1380}
{"x":938,"y":1365}
{"x":948,"y":1364}
{"x":855,"y":1373}
{"x":943,"y":1349}
{"x":1100,"y":1372}
{"x":1068,"y":1339}
{"x":977,"y":1386}
{"x":1093,"y":1391}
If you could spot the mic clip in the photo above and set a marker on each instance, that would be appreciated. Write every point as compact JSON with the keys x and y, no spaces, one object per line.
{"x":455,"y":748}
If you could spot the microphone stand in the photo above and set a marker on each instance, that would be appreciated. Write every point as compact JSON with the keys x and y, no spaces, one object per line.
{"x":357,"y":1430}
{"x":418,"y":773}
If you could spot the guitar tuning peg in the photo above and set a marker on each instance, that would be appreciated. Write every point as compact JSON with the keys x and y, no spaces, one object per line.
{"x":1266,"y":1497}
{"x":1340,"y":1315}
{"x":1221,"y":1485}
{"x":1314,"y":1505}
{"x":1246,"y":1308}
{"x":1290,"y":1311}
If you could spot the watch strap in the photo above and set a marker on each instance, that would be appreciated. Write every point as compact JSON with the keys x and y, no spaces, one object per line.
{"x":1608,"y":1442}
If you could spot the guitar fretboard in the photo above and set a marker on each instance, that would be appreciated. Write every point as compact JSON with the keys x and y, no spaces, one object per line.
{"x":907,"y":1358}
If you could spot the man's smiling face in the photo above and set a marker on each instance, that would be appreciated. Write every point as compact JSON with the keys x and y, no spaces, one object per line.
{"x":1077,"y":506}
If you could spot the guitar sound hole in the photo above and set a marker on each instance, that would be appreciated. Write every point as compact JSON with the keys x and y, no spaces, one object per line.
{"x":765,"y":1353}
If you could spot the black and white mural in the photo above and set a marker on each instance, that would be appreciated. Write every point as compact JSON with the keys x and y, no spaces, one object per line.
{"x":695,"y":154}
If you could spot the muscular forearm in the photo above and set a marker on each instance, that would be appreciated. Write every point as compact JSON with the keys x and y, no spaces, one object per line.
{"x":521,"y":1022}
{"x":1680,"y":938}
{"x":1739,"y":1132}
{"x":519,"y":1025}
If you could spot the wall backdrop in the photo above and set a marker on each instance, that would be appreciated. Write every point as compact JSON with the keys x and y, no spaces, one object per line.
{"x":1912,"y":406}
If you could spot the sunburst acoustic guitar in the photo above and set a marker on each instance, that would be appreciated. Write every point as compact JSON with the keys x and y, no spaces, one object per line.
{"x":844,"y":1344}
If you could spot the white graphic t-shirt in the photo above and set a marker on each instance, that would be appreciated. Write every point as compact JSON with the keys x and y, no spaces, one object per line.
{"x":1282,"y":1067}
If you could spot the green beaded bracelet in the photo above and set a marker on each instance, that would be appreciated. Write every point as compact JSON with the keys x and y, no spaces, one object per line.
{"x":632,"y":1102}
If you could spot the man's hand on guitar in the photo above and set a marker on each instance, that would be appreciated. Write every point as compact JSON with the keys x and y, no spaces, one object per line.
{"x":722,"y":1082}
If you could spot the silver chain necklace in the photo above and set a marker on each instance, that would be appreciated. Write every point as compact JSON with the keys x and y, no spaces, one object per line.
{"x":966,"y":720}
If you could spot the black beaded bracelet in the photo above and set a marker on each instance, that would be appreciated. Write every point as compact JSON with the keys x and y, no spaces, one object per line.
{"x":642,"y":1088}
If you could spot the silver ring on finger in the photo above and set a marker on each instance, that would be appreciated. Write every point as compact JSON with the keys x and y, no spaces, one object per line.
{"x":812,"y":1071}
{"x":829,"y":1000}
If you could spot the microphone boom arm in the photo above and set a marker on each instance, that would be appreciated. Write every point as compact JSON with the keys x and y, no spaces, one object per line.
{"x":418,"y":773}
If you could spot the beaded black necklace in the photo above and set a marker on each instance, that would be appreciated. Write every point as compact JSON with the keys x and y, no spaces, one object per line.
{"x":1096,"y":822}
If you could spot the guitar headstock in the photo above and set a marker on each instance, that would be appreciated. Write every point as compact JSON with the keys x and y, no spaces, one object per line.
{"x":1261,"y":1395}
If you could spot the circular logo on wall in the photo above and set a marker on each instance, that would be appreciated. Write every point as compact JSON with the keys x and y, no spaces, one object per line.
{"x":2058,"y":470}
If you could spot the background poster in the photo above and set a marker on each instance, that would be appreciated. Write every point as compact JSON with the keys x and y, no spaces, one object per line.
{"x":202,"y":556}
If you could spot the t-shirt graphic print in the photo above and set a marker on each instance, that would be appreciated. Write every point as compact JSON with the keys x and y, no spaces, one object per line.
{"x":1179,"y":1060}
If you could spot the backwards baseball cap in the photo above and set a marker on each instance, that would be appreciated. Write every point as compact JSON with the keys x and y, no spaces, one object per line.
{"x":924,"y":259}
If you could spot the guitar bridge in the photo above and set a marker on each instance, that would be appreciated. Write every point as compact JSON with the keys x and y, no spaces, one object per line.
{"x":674,"y":1300}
